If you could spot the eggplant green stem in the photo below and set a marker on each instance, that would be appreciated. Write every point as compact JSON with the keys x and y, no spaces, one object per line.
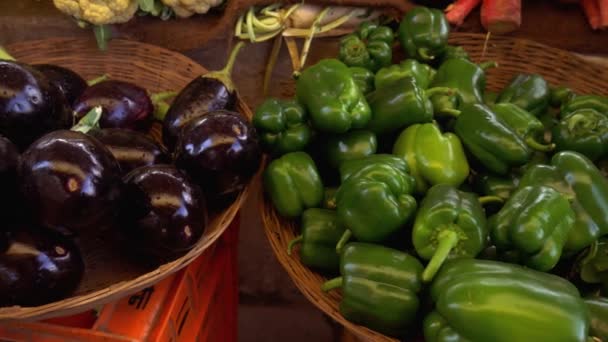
{"x":103,"y":34}
{"x":99,"y":79}
{"x":488,"y":65}
{"x":5,"y":55}
{"x":89,"y":121}
{"x":343,"y":240}
{"x":483,"y":200}
{"x":448,"y":239}
{"x":163,"y":96}
{"x":225,"y":74}
{"x":294,"y":242}
{"x":160,"y":106}
{"x":331,"y":284}
{"x":538,"y":146}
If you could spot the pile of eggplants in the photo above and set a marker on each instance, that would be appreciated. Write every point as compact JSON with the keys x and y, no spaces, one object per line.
{"x":76,"y":161}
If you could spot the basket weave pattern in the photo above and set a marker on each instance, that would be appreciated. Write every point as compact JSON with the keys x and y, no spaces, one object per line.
{"x":109,"y":275}
{"x":513,"y":56}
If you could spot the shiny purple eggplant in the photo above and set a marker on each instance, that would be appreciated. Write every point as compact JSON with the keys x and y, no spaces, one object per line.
{"x":38,"y":266}
{"x":164,"y":213}
{"x":221,"y":152}
{"x":69,"y":83}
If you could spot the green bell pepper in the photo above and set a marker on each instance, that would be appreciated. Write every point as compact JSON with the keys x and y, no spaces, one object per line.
{"x":321,"y":230}
{"x":466,"y":78}
{"x":423,"y":33}
{"x":375,"y":202}
{"x":449,"y":224}
{"x":329,"y":198}
{"x":355,"y":166}
{"x":489,"y":97}
{"x":364,"y":79}
{"x":527,"y":126}
{"x":598,"y":311}
{"x":452,"y":51}
{"x":560,"y":95}
{"x":433,"y":157}
{"x":482,"y":300}
{"x":401,"y":104}
{"x":370,"y":47}
{"x":293,"y":183}
{"x":331,"y":96}
{"x":584,"y":131}
{"x":380,"y":287}
{"x":351,"y":145}
{"x":597,"y":102}
{"x":529,"y":92}
{"x":534,"y":223}
{"x":575,"y":176}
{"x":282,"y":126}
{"x":422,"y":73}
{"x":603,"y":166}
{"x":491,"y":185}
{"x":491,"y":140}
{"x":594,"y":265}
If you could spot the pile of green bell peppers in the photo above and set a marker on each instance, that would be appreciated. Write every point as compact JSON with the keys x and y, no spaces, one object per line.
{"x":401,"y":177}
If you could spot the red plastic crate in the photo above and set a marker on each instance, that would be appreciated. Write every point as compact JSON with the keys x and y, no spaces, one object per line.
{"x":198,"y":303}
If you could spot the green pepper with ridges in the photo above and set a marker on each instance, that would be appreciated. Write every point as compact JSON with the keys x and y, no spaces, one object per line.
{"x":293,"y":183}
{"x":575,"y":176}
{"x":353,"y":167}
{"x":432,"y":156}
{"x":375,"y":202}
{"x":594,"y":264}
{"x":364,"y":79}
{"x":584,"y":131}
{"x":423,"y":33}
{"x":492,"y":185}
{"x":350,"y":145}
{"x":527,"y":91}
{"x":369,"y":47}
{"x":449,"y":224}
{"x":282,"y":125}
{"x":380,"y":287}
{"x":527,"y":126}
{"x":320,"y":230}
{"x":453,"y":52}
{"x":534,"y":224}
{"x":401,"y":104}
{"x":482,"y":300}
{"x":422,"y":73}
{"x":561,"y":95}
{"x":597,"y":102}
{"x":466,"y":78}
{"x":332,"y":98}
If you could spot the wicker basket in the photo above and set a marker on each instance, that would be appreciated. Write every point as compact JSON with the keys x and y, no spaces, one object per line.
{"x":513,"y":56}
{"x":107,"y":276}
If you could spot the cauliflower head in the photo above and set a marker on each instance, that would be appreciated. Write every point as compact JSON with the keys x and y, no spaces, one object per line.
{"x":186,"y":8}
{"x":99,"y":12}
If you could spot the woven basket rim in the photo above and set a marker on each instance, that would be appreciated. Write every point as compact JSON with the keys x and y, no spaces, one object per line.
{"x":124,"y":288}
{"x":306,"y":279}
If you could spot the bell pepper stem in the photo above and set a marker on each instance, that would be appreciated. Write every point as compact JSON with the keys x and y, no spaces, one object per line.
{"x":294,"y":242}
{"x":225,"y":74}
{"x":488,"y":65}
{"x":331,"y":284}
{"x":483,"y":200}
{"x":89,"y":121}
{"x":591,"y":253}
{"x":532,"y":143}
{"x":448,"y":239}
{"x":424,"y":53}
{"x":450,"y":112}
{"x":343,"y":240}
{"x":99,"y":79}
{"x":440,"y":91}
{"x":103,"y":34}
{"x":5,"y":55}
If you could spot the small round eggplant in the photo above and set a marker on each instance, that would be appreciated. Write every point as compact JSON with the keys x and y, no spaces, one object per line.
{"x":124,"y":105}
{"x":131,"y":149}
{"x":210,"y":92}
{"x":70,"y":181}
{"x":221,"y":152}
{"x":30,"y":105}
{"x":66,"y":80}
{"x":11,"y":205}
{"x":164,"y":214}
{"x":38,"y":266}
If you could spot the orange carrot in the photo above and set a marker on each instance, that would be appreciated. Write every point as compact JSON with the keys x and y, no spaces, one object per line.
{"x":501,"y":16}
{"x":457,"y":11}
